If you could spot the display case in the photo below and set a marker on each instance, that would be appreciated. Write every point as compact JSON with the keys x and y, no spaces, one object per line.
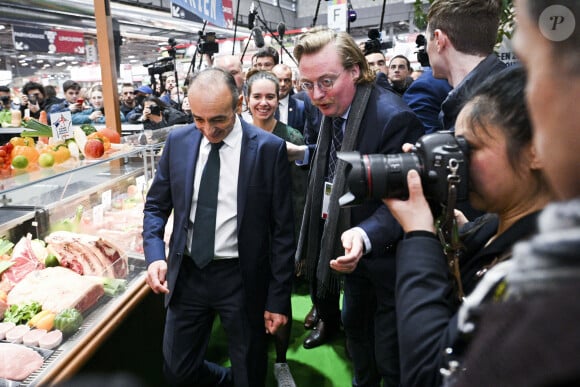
{"x":92,"y":197}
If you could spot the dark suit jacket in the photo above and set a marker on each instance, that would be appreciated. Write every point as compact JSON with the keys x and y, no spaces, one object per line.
{"x":296,"y":114}
{"x":386,"y":125}
{"x":265,"y":221}
{"x":425,"y":97}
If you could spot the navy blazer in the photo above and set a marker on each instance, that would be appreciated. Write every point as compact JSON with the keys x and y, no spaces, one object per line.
{"x":265,"y":220}
{"x":296,"y":114}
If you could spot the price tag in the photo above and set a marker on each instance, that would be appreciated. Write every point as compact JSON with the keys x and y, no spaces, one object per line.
{"x":140,"y":183}
{"x":61,"y":125}
{"x":106,"y":199}
{"x":98,"y":214}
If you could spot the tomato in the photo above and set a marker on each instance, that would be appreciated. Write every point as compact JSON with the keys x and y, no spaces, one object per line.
{"x":101,"y":137}
{"x":111,"y":134}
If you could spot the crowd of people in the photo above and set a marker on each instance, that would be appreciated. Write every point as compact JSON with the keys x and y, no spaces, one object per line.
{"x":473,"y":290}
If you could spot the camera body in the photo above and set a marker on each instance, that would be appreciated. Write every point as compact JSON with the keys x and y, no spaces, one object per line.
{"x":208,"y":44}
{"x":155,"y":110}
{"x":160,"y":68}
{"x":5,"y":101}
{"x":32,"y":99}
{"x":437,"y":157}
{"x":374,"y":44}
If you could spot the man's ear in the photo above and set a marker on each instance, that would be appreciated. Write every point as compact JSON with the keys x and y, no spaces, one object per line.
{"x":440,"y":39}
{"x":240,"y":104}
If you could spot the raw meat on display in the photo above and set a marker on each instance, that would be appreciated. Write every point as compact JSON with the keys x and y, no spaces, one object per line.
{"x":56,"y":289}
{"x":17,"y":362}
{"x":25,"y":261}
{"x":87,"y":254}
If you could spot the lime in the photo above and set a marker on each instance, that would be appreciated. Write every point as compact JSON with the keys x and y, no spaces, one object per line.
{"x":51,"y":261}
{"x":20,"y":162}
{"x":46,"y":160}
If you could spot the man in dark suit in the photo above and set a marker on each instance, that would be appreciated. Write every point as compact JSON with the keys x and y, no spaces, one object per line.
{"x":290,"y":110}
{"x":358,"y":242}
{"x":247,"y":279}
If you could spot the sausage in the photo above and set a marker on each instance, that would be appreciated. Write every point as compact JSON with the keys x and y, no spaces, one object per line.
{"x":51,"y":340}
{"x":31,"y":337}
{"x":5,"y":327}
{"x":16,"y":334}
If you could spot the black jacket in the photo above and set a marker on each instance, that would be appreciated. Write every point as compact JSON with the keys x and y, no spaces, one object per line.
{"x":426,"y":305}
{"x":459,"y":95}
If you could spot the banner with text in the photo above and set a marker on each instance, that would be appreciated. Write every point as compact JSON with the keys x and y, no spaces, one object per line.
{"x":50,"y":41}
{"x":217,"y":12}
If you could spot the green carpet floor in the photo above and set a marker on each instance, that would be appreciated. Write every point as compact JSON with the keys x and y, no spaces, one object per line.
{"x":324,"y":366}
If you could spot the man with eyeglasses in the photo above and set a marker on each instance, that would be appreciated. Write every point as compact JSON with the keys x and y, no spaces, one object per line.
{"x":127,"y":98}
{"x":357,"y":242}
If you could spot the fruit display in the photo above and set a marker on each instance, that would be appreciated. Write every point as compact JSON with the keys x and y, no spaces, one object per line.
{"x":23,"y":153}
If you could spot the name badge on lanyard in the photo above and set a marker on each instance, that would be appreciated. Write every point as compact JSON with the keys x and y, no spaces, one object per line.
{"x":326,"y":199}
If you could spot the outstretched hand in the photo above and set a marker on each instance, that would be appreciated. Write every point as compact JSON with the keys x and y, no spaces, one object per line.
{"x":353,"y":244}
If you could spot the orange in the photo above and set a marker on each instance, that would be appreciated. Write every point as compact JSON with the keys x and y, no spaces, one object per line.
{"x":27,"y":141}
{"x":30,"y":153}
{"x":61,"y":154}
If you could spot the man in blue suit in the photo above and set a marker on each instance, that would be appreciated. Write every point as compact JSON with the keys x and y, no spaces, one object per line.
{"x":247,"y":281}
{"x":357,"y":242}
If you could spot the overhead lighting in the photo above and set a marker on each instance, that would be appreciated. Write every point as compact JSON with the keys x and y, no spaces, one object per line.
{"x":39,"y":60}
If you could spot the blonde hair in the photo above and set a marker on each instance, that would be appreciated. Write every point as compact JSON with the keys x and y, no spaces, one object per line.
{"x":316,"y":39}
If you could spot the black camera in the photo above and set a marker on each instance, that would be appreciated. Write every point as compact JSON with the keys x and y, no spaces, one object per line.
{"x":208,"y":44}
{"x":438,"y":157}
{"x":155,"y":110}
{"x":374,"y":44}
{"x":5,"y":100}
{"x":32,"y":99}
{"x":422,"y":56}
{"x":161,"y":68}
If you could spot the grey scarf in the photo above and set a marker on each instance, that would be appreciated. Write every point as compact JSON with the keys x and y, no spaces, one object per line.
{"x":552,"y":258}
{"x":316,"y":250}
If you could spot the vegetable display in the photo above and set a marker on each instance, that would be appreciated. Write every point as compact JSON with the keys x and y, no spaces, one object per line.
{"x":68,"y":321}
{"x":21,"y":314}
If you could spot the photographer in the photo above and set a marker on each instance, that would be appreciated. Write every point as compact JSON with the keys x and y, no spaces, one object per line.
{"x":506,"y":180}
{"x":33,"y":96}
{"x":157,"y":115}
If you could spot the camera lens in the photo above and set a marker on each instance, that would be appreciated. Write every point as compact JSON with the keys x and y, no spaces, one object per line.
{"x":377,"y":175}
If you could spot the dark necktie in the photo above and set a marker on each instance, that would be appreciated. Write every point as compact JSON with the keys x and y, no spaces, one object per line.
{"x":335,"y":144}
{"x":203,"y":242}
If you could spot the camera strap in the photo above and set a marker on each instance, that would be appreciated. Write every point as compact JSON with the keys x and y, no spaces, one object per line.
{"x":448,"y":231}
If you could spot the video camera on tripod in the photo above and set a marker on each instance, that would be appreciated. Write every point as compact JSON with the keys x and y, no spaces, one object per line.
{"x":374,"y":44}
{"x":207,"y":43}
{"x":160,"y":66}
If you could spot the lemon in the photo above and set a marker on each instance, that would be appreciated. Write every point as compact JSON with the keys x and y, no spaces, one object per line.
{"x":20,"y":162}
{"x":46,"y":160}
{"x":51,"y":261}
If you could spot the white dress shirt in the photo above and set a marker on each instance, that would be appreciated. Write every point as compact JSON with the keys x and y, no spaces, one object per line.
{"x":283,"y":106}
{"x":226,"y":240}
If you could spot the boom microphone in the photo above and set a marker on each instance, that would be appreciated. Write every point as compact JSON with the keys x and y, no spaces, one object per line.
{"x":252,"y":16}
{"x":281,"y":30}
{"x":258,"y":37}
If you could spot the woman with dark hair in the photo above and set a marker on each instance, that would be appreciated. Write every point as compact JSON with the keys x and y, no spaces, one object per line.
{"x":262,"y":101}
{"x":505,"y":181}
{"x":157,"y":115}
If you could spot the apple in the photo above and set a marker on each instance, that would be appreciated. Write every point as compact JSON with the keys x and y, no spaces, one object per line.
{"x":94,"y":149}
